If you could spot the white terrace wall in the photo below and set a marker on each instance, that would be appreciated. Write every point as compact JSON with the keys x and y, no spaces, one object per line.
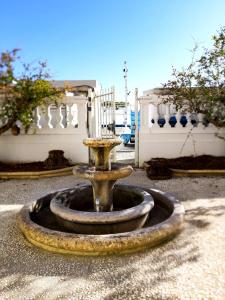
{"x":57,"y":128}
{"x":171,"y":142}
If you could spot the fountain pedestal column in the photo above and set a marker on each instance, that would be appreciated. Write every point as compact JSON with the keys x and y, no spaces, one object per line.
{"x":102,"y":176}
{"x":103,"y":195}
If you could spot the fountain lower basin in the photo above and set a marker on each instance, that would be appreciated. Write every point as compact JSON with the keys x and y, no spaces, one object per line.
{"x":41,"y":228}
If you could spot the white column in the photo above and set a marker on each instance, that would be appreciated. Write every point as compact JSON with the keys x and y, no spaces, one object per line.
{"x":136,"y":130}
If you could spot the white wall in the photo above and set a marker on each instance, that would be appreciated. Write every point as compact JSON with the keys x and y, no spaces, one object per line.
{"x":28,"y":148}
{"x":173,"y":144}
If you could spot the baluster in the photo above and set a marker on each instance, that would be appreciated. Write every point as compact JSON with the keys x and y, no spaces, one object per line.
{"x":62,"y":116}
{"x":49,"y":117}
{"x":69,"y":116}
{"x":178,"y":117}
{"x":155,"y":116}
{"x":200,"y":120}
{"x":34,"y":124}
{"x":38,"y":118}
{"x":167,"y":116}
{"x":59,"y":117}
{"x":41,"y":118}
{"x":189,"y":124}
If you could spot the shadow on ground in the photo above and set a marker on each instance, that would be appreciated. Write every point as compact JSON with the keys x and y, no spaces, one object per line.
{"x":26,"y":268}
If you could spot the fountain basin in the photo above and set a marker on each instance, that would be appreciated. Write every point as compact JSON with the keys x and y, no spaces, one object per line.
{"x":39,"y":226}
{"x":75,"y":210}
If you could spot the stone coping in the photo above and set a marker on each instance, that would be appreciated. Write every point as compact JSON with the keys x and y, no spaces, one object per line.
{"x":37,"y":174}
{"x":94,"y":245}
{"x":181,"y":172}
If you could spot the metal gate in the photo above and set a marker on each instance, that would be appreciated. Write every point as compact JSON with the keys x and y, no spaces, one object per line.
{"x":102,"y":118}
{"x":103,"y":113}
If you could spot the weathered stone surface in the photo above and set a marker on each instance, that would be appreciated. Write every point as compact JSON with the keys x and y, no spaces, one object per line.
{"x":101,"y":149}
{"x":104,"y":175}
{"x":79,"y":244}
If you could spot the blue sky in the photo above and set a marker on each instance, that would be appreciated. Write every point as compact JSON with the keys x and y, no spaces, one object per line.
{"x":90,"y":39}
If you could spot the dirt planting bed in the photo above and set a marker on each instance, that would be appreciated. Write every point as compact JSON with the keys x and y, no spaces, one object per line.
{"x":161,"y":168}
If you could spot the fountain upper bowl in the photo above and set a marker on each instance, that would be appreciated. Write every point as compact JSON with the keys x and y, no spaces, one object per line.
{"x":99,"y":142}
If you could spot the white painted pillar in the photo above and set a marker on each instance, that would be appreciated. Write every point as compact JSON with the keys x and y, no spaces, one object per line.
{"x":144,"y":114}
{"x":136,"y":130}
{"x":82,"y":115}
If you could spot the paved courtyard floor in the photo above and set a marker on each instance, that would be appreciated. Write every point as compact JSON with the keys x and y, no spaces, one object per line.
{"x":191,"y":266}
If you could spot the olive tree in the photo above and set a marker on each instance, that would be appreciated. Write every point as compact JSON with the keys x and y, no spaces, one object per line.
{"x":21,"y":94}
{"x":200,"y":87}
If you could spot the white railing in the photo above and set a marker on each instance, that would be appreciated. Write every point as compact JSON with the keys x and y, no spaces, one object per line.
{"x":55,"y":127}
{"x":165,"y":132}
{"x":157,"y":115}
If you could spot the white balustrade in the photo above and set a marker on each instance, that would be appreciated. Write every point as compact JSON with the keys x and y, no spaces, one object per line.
{"x":71,"y":114}
{"x":152,"y":109}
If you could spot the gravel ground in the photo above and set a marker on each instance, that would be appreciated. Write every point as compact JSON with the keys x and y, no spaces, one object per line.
{"x":191,"y":266}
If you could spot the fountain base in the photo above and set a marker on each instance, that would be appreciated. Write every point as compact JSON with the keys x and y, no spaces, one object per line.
{"x":41,"y":228}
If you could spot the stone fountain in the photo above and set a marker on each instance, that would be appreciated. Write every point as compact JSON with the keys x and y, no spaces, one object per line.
{"x":102,"y":217}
